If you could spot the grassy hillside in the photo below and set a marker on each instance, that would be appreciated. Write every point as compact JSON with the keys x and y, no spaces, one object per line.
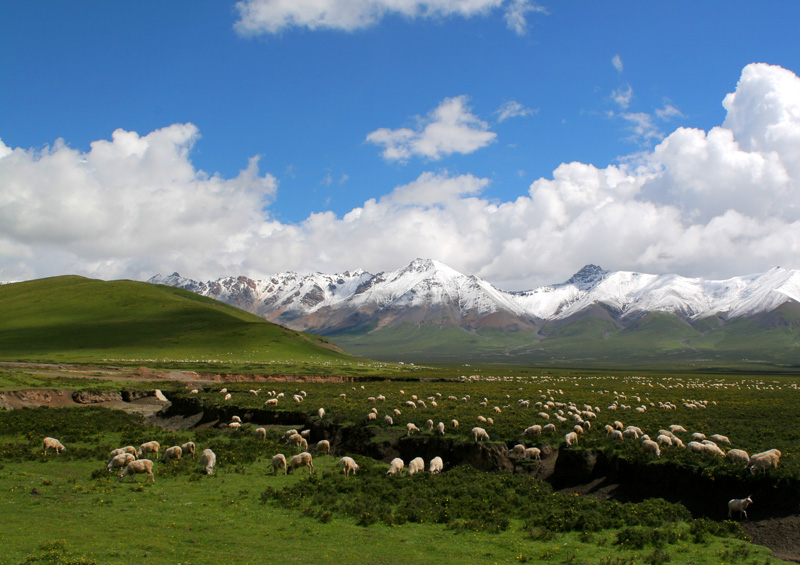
{"x":72,"y":318}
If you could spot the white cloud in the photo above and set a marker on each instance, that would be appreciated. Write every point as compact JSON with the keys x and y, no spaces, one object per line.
{"x":616,"y":60}
{"x":272,"y":16}
{"x":450,"y":128}
{"x":715,"y":204}
{"x":643,"y":130}
{"x":513,"y":109}
{"x":623,"y":95}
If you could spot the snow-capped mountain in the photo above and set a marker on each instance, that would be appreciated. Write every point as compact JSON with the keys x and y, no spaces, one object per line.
{"x":427,"y":292}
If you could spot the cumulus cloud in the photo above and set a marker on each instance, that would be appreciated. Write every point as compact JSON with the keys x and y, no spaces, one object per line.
{"x":513,"y":109}
{"x":450,"y":128}
{"x":272,"y":16}
{"x":711,"y":203}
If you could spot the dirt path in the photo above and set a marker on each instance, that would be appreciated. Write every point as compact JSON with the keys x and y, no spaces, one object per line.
{"x":781,"y":535}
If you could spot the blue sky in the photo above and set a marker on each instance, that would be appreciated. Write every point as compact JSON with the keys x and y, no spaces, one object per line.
{"x":374,"y":132}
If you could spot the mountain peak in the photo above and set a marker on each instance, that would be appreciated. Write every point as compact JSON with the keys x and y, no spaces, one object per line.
{"x":588,"y":275}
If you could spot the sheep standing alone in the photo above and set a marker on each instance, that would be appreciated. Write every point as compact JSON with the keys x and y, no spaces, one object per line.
{"x":260,"y":433}
{"x":395,"y":466}
{"x":188,"y":448}
{"x":479,"y":434}
{"x":53,"y":443}
{"x":119,"y":461}
{"x":175,"y":452}
{"x":416,"y":465}
{"x":321,"y":413}
{"x":323,"y":446}
{"x":436,"y":465}
{"x":348,"y":464}
{"x":208,"y":460}
{"x":411,"y":428}
{"x":148,"y":447}
{"x":440,"y":428}
{"x":139,"y":466}
{"x":301,"y":460}
{"x":278,"y":462}
{"x":454,"y":423}
{"x":739,"y":505}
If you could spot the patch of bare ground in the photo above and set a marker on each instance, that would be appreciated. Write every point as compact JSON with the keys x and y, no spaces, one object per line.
{"x":781,"y":535}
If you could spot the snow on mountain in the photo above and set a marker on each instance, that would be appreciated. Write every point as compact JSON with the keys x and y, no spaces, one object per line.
{"x":429,"y":291}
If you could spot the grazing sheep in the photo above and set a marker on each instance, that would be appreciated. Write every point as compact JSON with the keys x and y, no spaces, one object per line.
{"x":119,"y":461}
{"x":321,"y":413}
{"x":223,"y":391}
{"x":578,"y":429}
{"x":208,"y":459}
{"x":372,"y":416}
{"x":549,"y":428}
{"x":388,"y":420}
{"x":650,"y":446}
{"x":236,"y":419}
{"x":429,"y":423}
{"x":271,"y":402}
{"x":697,"y":436}
{"x":713,"y":449}
{"x":228,"y":396}
{"x":175,"y":452}
{"x":436,"y":465}
{"x":720,"y":439}
{"x":739,"y":505}
{"x":534,"y":430}
{"x":278,"y":462}
{"x":666,"y":441}
{"x":571,"y":439}
{"x":738,"y":456}
{"x":235,"y":425}
{"x":53,"y":443}
{"x":254,"y":392}
{"x":411,"y":428}
{"x":306,"y":434}
{"x":288,"y":434}
{"x":616,"y":434}
{"x":479,"y":434}
{"x":301,"y":460}
{"x":194,"y":391}
{"x":454,"y":423}
{"x":619,"y":425}
{"x":160,"y":396}
{"x":148,"y":447}
{"x":188,"y":448}
{"x":482,"y":419}
{"x":417,"y":465}
{"x":674,"y":428}
{"x":533,"y":453}
{"x":260,"y":433}
{"x":696,"y":447}
{"x":396,"y":466}
{"x":518,"y":451}
{"x":323,"y":446}
{"x":396,"y":412}
{"x":348,"y":464}
{"x":764,"y":460}
{"x":127,"y":449}
{"x":440,"y":428}
{"x":140,"y":466}
{"x":544,"y":415}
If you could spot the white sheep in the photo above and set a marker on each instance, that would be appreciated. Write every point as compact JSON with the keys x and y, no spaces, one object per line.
{"x":140,"y":466}
{"x":188,"y":448}
{"x":674,"y":428}
{"x":650,"y":446}
{"x":738,"y":456}
{"x":416,"y":465}
{"x":720,"y":439}
{"x":228,"y":396}
{"x":194,"y":391}
{"x":479,"y":434}
{"x":236,"y":419}
{"x":53,"y":443}
{"x":323,"y":446}
{"x":119,"y":451}
{"x":764,"y":460}
{"x":436,"y":465}
{"x":208,"y":459}
{"x":235,"y":425}
{"x":348,"y":465}
{"x":396,"y":466}
{"x":175,"y":452}
{"x":440,"y":428}
{"x":534,"y":430}
{"x":533,"y":453}
{"x":306,"y":434}
{"x":739,"y":505}
{"x":260,"y":433}
{"x":388,"y":420}
{"x":371,"y":416}
{"x":696,"y":447}
{"x":549,"y":428}
{"x":160,"y":396}
{"x":148,"y":447}
{"x":411,"y":428}
{"x":518,"y":451}
{"x":119,"y":461}
{"x":571,"y":439}
{"x":301,"y":460}
{"x":616,"y":434}
{"x":321,"y":413}
{"x":271,"y":402}
{"x":666,"y":441}
{"x":429,"y":423}
{"x":278,"y":462}
{"x":454,"y":423}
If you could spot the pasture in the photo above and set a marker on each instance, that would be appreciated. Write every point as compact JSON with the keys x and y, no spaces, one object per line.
{"x":70,"y":507}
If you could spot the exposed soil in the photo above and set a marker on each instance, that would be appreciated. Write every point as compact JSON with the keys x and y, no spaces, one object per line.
{"x":774,"y":517}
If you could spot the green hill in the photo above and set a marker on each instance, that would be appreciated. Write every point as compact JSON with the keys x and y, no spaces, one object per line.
{"x":75,"y":319}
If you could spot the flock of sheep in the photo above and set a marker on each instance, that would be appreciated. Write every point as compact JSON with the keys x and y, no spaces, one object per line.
{"x":130,"y":461}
